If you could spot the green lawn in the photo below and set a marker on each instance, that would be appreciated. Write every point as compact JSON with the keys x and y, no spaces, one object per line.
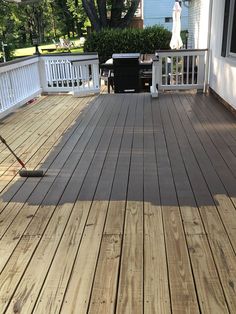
{"x":23,"y":52}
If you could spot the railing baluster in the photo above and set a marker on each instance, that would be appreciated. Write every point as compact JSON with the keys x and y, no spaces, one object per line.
{"x":171,"y":70}
{"x":187,"y":69}
{"x":193,"y":67}
{"x":176,"y":74}
{"x":166,"y":70}
{"x":15,"y":85}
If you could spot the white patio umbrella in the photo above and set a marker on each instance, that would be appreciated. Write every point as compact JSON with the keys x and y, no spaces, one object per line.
{"x":176,"y":41}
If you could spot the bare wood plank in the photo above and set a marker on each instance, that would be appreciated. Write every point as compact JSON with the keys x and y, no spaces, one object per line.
{"x":24,"y":120}
{"x":36,"y":126}
{"x":33,"y":137}
{"x":209,"y":289}
{"x":104,"y":289}
{"x":36,"y":152}
{"x":10,"y":123}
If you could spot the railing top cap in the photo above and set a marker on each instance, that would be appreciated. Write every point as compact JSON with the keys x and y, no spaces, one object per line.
{"x":18,"y":60}
{"x":180,"y":50}
{"x":69,"y":54}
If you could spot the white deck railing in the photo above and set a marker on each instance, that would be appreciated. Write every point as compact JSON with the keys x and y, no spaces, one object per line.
{"x":22,"y":80}
{"x":19,"y":82}
{"x":178,"y":69}
{"x":65,"y":73}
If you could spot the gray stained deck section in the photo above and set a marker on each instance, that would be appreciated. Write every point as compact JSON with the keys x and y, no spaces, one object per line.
{"x":136,"y":212}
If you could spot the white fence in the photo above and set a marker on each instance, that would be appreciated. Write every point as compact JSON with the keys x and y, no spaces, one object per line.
{"x":178,"y":69}
{"x":21,"y":81}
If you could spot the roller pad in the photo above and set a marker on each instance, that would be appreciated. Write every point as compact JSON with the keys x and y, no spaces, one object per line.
{"x":31,"y":173}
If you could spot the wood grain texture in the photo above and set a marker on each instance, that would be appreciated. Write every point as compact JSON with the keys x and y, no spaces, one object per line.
{"x":183,"y":294}
{"x":130,"y":291}
{"x":136,"y":213}
{"x":103,"y":298}
{"x":156,"y":288}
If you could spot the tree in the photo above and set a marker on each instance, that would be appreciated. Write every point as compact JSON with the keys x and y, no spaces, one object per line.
{"x":79,"y":16}
{"x":113,"y":13}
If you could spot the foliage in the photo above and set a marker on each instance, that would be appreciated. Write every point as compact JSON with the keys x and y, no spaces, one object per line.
{"x":46,"y":19}
{"x":110,"y":13}
{"x":111,"y":41}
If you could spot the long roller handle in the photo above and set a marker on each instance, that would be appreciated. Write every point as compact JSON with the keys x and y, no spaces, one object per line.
{"x":17,"y":158}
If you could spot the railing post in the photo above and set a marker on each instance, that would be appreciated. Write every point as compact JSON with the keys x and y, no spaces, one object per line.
{"x":201,"y":71}
{"x":42,"y":73}
{"x":95,"y":75}
{"x":155,"y":77}
{"x":206,"y":71}
{"x":87,"y":72}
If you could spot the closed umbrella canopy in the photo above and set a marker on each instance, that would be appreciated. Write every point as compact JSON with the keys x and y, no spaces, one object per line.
{"x":176,"y":41}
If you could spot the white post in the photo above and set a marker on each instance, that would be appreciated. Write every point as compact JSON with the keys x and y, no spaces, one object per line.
{"x":155,"y":77}
{"x":201,"y":71}
{"x":95,"y":74}
{"x":42,"y":73}
{"x":4,"y":52}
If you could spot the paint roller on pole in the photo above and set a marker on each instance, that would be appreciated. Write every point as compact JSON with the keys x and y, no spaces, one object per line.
{"x":23,"y":172}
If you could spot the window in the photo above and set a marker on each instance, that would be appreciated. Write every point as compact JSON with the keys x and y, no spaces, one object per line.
{"x":168,"y":19}
{"x":229,"y":29}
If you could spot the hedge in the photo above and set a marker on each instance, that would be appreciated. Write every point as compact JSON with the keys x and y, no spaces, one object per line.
{"x":111,"y":41}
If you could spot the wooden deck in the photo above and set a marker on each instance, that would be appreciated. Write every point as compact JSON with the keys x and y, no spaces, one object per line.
{"x":136,"y":212}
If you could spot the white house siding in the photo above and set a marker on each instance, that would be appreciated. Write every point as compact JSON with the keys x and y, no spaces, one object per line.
{"x":198,"y":24}
{"x":155,"y":12}
{"x":222,"y":75}
{"x":222,"y":69}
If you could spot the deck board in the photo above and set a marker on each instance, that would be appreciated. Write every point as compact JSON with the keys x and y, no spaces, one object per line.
{"x":130,"y":286}
{"x":181,"y":281}
{"x":156,"y":288}
{"x":136,"y":212}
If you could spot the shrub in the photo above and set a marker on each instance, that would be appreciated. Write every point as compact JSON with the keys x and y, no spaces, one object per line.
{"x":110,"y":41}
